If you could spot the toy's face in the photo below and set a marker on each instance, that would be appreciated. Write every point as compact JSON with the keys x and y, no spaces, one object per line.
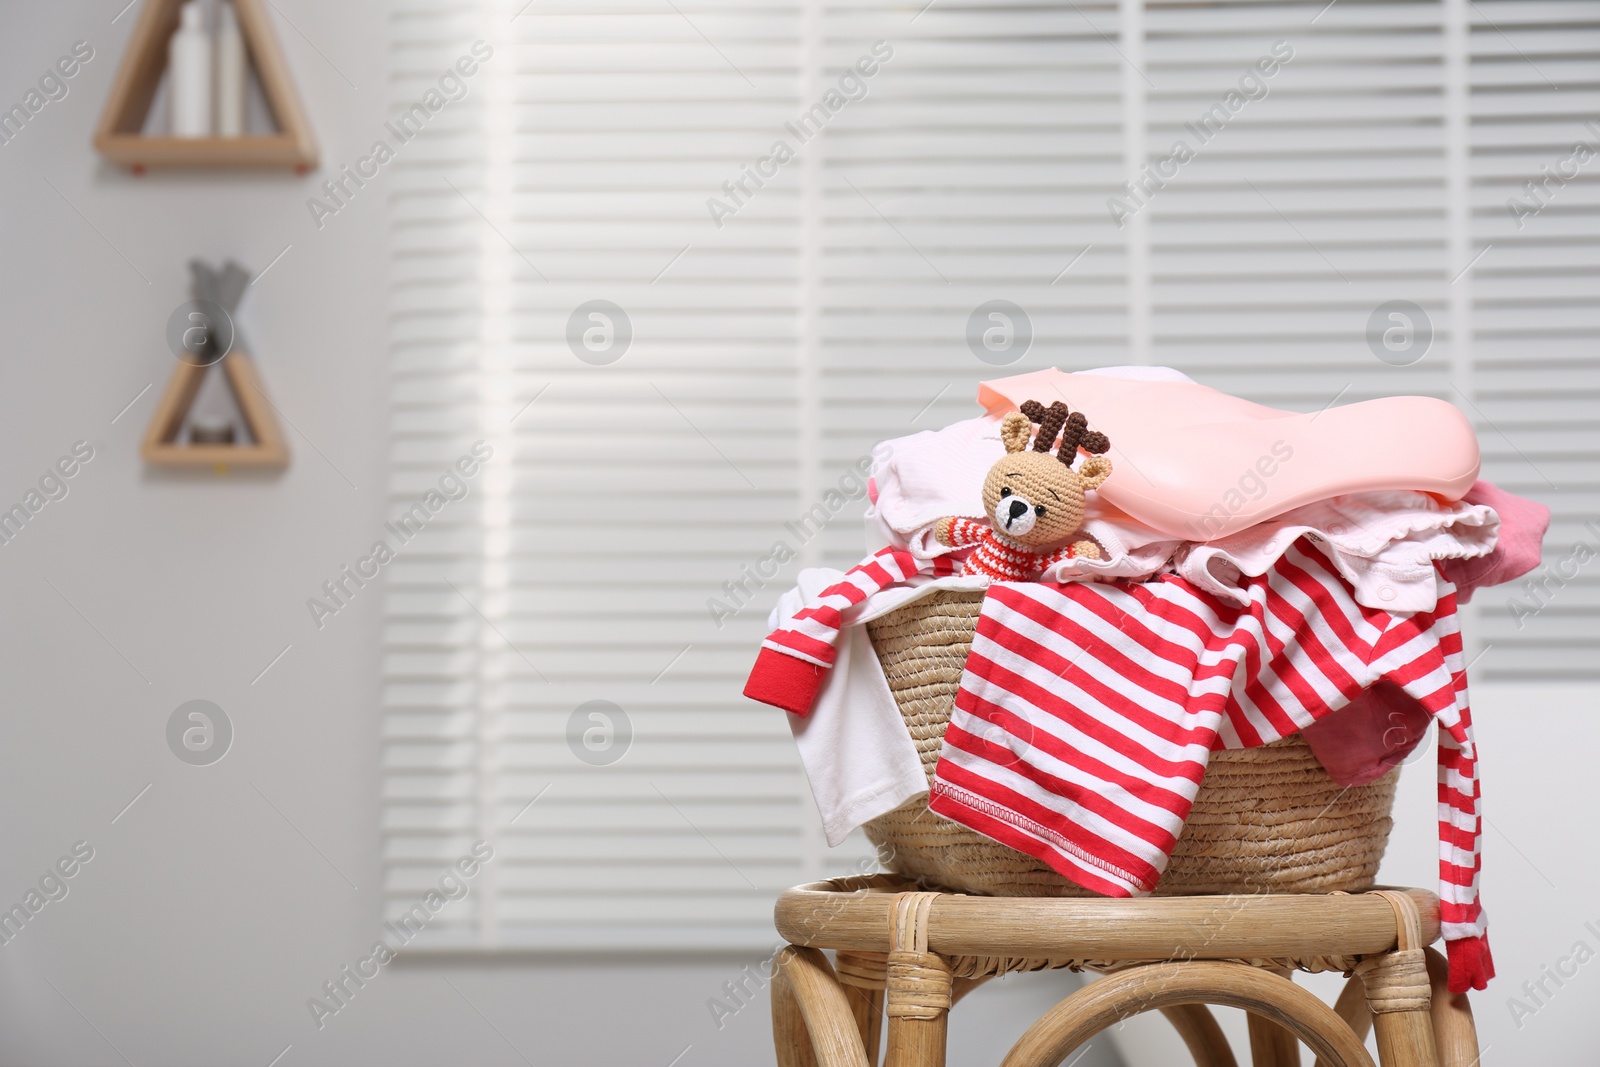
{"x":1033,"y":498}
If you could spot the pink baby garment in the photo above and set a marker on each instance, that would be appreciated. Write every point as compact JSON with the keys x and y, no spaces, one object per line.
{"x":1523,"y":524}
{"x":1199,"y":464}
{"x":1384,"y":544}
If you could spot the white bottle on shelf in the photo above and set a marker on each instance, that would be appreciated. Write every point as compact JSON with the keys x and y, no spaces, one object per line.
{"x":189,"y":74}
{"x":230,"y":73}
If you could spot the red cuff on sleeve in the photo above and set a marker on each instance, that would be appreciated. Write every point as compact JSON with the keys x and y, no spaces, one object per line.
{"x":1471,"y":965}
{"x":784,"y":681}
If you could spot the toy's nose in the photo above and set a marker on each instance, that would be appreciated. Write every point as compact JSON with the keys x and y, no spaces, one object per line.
{"x":1019,"y":508}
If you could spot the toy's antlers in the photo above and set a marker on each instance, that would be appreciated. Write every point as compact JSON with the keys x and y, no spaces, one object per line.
{"x":1074,"y":430}
{"x":1050,"y":421}
{"x":1078,"y":435}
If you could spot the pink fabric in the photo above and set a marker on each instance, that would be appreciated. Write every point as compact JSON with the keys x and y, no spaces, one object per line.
{"x":1374,"y":733}
{"x":1199,"y":464}
{"x":1523,"y":524}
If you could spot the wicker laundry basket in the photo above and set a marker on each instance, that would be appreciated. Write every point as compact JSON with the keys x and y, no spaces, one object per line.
{"x":1266,"y":820}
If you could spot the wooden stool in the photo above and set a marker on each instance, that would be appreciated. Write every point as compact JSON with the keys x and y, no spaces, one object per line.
{"x":910,"y":955}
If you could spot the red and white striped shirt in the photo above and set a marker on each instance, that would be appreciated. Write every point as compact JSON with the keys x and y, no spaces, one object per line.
{"x":999,"y":557}
{"x":1088,"y":711}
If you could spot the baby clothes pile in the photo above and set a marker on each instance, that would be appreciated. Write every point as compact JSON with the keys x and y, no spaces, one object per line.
{"x":1258,"y":572}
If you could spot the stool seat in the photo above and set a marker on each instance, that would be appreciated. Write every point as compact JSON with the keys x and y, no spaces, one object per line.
{"x":909,"y":955}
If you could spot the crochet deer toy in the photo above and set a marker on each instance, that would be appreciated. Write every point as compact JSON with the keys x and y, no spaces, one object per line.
{"x":1034,"y":500}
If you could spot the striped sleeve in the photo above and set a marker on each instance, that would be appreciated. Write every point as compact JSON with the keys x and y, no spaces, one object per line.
{"x":788,"y":671}
{"x":965,"y":533}
{"x":1065,"y":552}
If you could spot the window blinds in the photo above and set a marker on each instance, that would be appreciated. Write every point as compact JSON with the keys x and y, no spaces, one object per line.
{"x":677,"y":339}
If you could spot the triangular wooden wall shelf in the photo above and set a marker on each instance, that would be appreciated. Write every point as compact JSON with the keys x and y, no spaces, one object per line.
{"x":118,"y":136}
{"x":161,"y":448}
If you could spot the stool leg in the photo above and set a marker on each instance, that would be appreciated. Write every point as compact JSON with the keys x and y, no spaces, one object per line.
{"x":918,"y":987}
{"x":1352,"y":1008}
{"x":789,"y":1036}
{"x":1405,"y":1039}
{"x":918,"y":1023}
{"x":867,"y":1006}
{"x":917,"y":1042}
{"x":1202,"y":1034}
{"x":1270,"y":1044}
{"x":1453,"y":1029}
{"x":1399,"y":995}
{"x":863,"y":975}
{"x":805,"y":978}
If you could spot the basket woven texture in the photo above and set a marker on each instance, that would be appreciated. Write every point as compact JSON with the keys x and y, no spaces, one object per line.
{"x":1266,"y":820}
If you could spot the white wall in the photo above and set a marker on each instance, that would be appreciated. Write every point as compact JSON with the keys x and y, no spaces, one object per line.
{"x":219,"y":903}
